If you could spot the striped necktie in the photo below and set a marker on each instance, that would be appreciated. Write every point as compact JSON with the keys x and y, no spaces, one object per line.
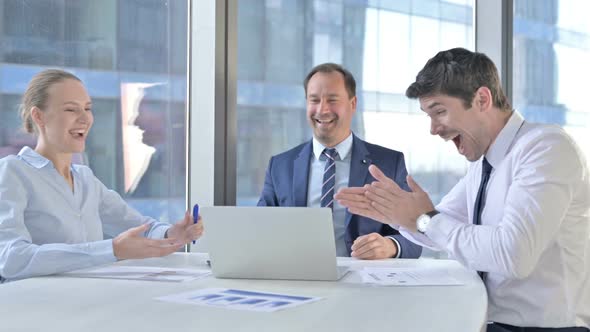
{"x":329,"y":182}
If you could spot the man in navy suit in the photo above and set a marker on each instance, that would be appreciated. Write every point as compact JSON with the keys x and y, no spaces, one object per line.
{"x":310,"y":174}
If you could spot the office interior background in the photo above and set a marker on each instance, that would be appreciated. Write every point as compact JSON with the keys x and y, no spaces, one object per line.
{"x":210,"y":107}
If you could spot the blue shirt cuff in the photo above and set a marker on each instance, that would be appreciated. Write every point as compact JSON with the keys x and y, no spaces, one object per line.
{"x":158,"y":231}
{"x":102,"y":252}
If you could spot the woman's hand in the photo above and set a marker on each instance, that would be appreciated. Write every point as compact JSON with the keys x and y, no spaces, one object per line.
{"x":186,"y":230}
{"x":131,"y":244}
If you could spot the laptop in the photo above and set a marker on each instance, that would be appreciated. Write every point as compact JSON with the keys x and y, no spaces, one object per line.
{"x":293,"y":243}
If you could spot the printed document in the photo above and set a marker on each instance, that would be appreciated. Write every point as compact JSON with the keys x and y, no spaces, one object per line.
{"x":149,"y":273}
{"x":239,"y":299}
{"x":407,"y":276}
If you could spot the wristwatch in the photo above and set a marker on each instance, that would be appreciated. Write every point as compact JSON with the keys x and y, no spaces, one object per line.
{"x":424,"y":220}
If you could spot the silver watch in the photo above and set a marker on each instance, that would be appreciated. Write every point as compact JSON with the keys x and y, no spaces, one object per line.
{"x":424,"y":220}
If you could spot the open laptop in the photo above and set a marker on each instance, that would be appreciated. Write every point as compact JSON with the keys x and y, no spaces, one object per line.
{"x":295,"y":243}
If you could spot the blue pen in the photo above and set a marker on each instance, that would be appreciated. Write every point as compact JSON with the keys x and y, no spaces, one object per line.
{"x":195,"y":215}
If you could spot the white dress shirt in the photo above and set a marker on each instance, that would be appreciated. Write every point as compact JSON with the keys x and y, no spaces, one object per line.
{"x":534,"y":238}
{"x":45,"y":228}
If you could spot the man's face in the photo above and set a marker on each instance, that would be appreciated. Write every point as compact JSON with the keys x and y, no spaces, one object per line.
{"x":329,"y":108}
{"x":450,"y":120}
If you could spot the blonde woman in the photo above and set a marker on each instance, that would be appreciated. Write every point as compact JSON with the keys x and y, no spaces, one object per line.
{"x":53,"y":214}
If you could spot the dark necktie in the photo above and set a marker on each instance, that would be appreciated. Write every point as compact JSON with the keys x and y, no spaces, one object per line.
{"x":480,"y":200}
{"x":327,"y":199}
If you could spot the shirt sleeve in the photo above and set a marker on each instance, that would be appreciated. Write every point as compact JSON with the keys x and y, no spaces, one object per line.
{"x":399,"y":248}
{"x":19,"y":257}
{"x":117,"y":216}
{"x":453,"y":206}
{"x":546,"y":175}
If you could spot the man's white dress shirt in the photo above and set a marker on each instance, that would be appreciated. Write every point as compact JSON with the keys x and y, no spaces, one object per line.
{"x":47,"y":228}
{"x":534,"y":238}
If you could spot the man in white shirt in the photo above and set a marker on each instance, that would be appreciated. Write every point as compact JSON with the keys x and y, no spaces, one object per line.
{"x":520,"y":216}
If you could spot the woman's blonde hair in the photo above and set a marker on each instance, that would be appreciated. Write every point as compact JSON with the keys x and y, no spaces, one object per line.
{"x":36,"y":94}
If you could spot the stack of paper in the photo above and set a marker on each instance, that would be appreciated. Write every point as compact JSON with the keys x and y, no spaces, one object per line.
{"x":140,"y":273}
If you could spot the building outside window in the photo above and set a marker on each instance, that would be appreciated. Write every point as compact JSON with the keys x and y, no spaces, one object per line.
{"x":550,"y":66}
{"x":131,"y":55}
{"x":383,"y":43}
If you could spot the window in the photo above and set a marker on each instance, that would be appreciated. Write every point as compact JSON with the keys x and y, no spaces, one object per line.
{"x":131,"y":55}
{"x":551,"y":52}
{"x":383,"y":43}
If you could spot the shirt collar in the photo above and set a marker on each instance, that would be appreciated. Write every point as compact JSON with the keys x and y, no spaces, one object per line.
{"x":33,"y":158}
{"x":343,"y":148}
{"x":36,"y":160}
{"x":504,"y":140}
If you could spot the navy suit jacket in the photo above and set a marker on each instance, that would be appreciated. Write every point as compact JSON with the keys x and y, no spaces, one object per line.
{"x":287,"y":180}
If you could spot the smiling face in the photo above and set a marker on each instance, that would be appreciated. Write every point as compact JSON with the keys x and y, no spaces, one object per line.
{"x":329,"y":108}
{"x":66,"y":119}
{"x":466,"y":127}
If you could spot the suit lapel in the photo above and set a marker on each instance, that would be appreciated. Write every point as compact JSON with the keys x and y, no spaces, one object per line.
{"x":359,"y":167}
{"x":301,"y":175}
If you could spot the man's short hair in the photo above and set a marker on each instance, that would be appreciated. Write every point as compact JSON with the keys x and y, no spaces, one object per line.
{"x":349,"y":81}
{"x":459,"y":73}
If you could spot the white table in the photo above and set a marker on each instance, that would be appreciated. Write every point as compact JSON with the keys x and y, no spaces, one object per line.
{"x":65,"y":304}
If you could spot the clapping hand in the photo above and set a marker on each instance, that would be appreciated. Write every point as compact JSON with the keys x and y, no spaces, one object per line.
{"x":384,"y":201}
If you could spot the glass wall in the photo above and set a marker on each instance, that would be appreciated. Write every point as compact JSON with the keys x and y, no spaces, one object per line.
{"x":383,"y":43}
{"x":551,"y":53}
{"x":131,"y":55}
